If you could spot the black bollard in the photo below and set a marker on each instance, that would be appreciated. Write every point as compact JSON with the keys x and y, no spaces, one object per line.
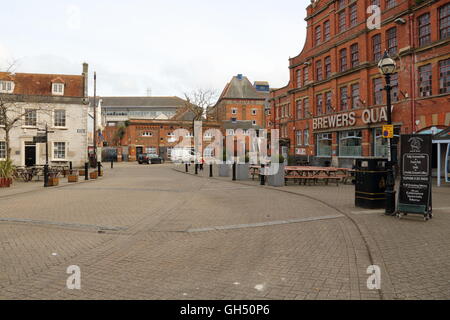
{"x":99,"y":168}
{"x":86,"y":171}
{"x":196,"y":168}
{"x":112,"y":164}
{"x":46,"y":176}
{"x":261,"y":175}
{"x":210,"y":170}
{"x":70,"y":167}
{"x":187,"y":168}
{"x":234,"y":171}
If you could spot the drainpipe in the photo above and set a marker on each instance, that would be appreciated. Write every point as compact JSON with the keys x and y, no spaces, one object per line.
{"x":412,"y":37}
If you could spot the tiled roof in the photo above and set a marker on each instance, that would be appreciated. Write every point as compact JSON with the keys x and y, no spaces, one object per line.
{"x":242,"y":89}
{"x":41,"y":84}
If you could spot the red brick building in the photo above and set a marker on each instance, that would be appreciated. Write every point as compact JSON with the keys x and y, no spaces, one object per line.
{"x":156,"y":136}
{"x":332,"y":109}
{"x":241,"y":105}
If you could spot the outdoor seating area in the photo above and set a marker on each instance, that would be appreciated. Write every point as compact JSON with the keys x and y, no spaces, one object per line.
{"x":310,"y":174}
{"x":27,"y":174}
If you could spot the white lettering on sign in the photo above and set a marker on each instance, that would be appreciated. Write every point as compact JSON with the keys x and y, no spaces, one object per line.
{"x":335,"y":121}
{"x":349,"y":119}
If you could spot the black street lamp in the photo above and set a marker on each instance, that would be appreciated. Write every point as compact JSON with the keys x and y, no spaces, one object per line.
{"x":387,"y":67}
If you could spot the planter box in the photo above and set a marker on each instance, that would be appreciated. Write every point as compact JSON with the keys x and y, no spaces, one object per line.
{"x":5,"y":182}
{"x":224,"y":170}
{"x":93,"y":175}
{"x":72,"y":178}
{"x":53,"y":182}
{"x":81,"y":173}
{"x":242,"y":171}
{"x":277,"y":180}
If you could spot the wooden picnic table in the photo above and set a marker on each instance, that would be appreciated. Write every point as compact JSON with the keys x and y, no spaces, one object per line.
{"x":310,"y":173}
{"x":254,"y":171}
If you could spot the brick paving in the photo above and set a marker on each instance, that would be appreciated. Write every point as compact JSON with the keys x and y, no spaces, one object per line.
{"x":135,"y":235}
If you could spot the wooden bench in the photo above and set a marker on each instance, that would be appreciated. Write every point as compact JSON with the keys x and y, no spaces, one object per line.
{"x":315,"y":178}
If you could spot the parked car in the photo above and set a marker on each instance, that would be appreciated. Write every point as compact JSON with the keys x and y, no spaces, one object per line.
{"x":155,"y":159}
{"x":149,"y":158}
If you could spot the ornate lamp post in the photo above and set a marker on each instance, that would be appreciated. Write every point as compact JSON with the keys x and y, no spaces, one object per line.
{"x":387,"y":67}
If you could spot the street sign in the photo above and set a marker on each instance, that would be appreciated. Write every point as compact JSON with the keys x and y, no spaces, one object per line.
{"x":415,"y":186}
{"x":40,"y":139}
{"x":388,"y":131}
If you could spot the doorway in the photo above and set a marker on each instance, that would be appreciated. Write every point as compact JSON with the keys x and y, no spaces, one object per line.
{"x":30,"y":155}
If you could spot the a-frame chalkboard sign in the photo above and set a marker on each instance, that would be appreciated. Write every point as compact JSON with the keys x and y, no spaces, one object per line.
{"x":415,"y":195}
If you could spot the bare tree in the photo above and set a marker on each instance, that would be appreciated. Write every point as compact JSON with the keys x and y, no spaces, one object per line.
{"x":12,"y":112}
{"x":198,"y":102}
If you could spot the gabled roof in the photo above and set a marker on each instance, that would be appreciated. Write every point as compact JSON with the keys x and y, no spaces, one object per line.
{"x":142,"y":102}
{"x":241,"y":88}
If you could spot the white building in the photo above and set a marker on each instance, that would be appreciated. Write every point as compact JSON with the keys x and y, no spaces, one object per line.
{"x":59,"y":102}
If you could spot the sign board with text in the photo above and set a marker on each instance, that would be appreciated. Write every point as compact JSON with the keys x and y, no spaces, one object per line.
{"x":415,"y":186}
{"x":388,"y":132}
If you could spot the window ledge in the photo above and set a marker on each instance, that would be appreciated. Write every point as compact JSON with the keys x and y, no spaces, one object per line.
{"x":59,"y":128}
{"x":29,"y":127}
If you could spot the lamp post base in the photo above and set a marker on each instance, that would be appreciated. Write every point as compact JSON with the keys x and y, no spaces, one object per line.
{"x":390,"y":203}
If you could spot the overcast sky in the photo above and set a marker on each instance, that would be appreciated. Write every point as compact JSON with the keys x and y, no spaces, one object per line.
{"x":170,"y":46}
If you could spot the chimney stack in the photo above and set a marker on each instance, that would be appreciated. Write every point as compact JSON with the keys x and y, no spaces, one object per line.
{"x":86,"y":78}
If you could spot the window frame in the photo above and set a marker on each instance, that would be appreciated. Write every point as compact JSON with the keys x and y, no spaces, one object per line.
{"x":354,"y":55}
{"x":376,"y":48}
{"x":54,"y":150}
{"x":55,"y":118}
{"x":3,"y":150}
{"x":58,"y":89}
{"x":392,"y":41}
{"x":353,"y":13}
{"x":422,"y":82}
{"x":343,"y":58}
{"x":25,"y":117}
{"x":424,"y":29}
{"x":444,"y":21}
{"x":444,"y":80}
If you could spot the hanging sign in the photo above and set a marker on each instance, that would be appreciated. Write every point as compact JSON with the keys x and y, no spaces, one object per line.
{"x":415,"y":186}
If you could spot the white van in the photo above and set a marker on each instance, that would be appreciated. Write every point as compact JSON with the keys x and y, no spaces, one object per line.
{"x":182,"y":155}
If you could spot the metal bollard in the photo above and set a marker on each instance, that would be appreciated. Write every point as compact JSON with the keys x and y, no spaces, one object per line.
{"x":112,"y":164}
{"x":196,"y":168}
{"x":86,"y":171}
{"x":70,"y":167}
{"x":261,"y":176}
{"x":187,"y":168}
{"x":99,"y":168}
{"x":210,"y":170}
{"x":234,"y":171}
{"x":46,"y":176}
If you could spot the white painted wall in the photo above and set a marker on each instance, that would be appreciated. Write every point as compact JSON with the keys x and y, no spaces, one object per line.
{"x":74,"y":134}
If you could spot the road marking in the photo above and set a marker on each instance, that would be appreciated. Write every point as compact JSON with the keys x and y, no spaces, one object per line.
{"x":445,"y":209}
{"x":264,"y":224}
{"x":368,"y":212}
{"x":62,"y":224}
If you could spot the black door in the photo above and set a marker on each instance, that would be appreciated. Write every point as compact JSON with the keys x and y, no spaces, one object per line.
{"x":30,"y":156}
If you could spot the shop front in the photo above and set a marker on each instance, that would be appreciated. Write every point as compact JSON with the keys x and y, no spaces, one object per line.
{"x":341,"y":138}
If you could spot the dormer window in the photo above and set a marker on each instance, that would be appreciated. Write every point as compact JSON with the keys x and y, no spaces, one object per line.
{"x":58,"y":89}
{"x":6,"y":86}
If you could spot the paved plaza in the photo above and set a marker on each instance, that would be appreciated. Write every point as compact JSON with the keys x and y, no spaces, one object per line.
{"x":155,"y":232}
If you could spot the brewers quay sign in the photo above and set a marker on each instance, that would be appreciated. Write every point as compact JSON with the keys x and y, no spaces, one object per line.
{"x":348,"y":119}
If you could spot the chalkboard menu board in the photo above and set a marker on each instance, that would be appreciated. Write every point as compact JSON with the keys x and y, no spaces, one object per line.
{"x":415,"y":185}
